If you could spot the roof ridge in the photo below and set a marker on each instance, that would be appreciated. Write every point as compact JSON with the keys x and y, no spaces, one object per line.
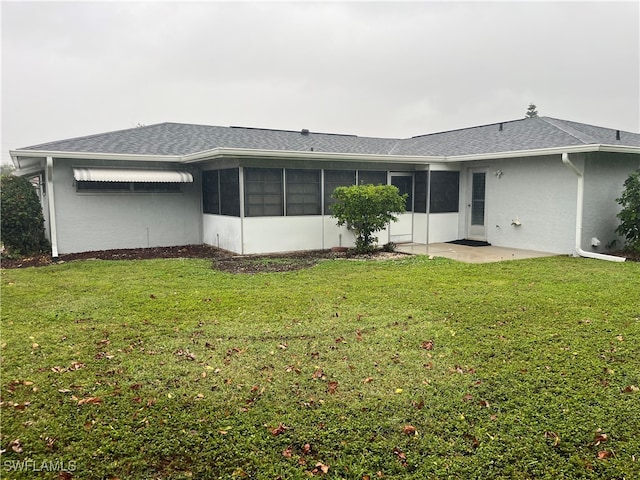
{"x":468,"y":128}
{"x":575,"y":133}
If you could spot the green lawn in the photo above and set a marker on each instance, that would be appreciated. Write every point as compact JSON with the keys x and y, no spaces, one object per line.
{"x":411,"y":368}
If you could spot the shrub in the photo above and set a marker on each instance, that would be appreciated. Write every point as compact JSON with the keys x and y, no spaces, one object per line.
{"x":367,"y":209}
{"x":22,"y":222}
{"x":630,"y":214}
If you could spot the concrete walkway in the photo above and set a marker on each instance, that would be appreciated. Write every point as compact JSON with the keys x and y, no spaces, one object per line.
{"x":466,"y":254}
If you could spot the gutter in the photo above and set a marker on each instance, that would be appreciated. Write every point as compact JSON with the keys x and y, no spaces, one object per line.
{"x":579,"y":209}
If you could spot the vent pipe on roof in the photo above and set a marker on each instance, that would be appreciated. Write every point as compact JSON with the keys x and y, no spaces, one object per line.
{"x":304,"y":131}
{"x":501,"y":127}
{"x":617,"y":134}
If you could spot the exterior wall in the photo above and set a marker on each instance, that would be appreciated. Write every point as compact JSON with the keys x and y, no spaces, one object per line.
{"x":540,"y":192}
{"x":604,"y":176}
{"x":100,"y":221}
{"x":282,"y":234}
{"x":223,"y":232}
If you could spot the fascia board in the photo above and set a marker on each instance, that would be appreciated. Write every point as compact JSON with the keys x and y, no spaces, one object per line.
{"x":289,"y":154}
{"x":525,"y":153}
{"x":93,"y":155}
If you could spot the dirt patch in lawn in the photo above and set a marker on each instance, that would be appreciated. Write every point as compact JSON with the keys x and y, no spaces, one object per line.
{"x":221,"y":260}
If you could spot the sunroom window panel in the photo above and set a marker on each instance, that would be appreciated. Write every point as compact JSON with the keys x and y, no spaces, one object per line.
{"x":444,"y":192}
{"x":263,"y":192}
{"x":230,"y":192}
{"x":334,"y":179}
{"x":372,"y":177}
{"x":303,"y":192}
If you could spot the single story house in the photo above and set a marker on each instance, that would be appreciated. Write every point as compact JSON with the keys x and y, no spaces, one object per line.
{"x":537,"y":183}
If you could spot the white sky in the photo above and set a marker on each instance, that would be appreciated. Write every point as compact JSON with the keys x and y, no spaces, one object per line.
{"x":387,"y":69}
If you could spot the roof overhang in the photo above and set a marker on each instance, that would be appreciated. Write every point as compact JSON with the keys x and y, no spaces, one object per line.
{"x":26,"y":158}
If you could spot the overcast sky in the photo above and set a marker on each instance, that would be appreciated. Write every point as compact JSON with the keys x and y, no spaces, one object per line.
{"x":386,"y":69}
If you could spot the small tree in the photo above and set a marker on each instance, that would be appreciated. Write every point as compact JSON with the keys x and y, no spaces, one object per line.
{"x":22,"y":222}
{"x":630,"y":214}
{"x":367,"y":209}
{"x":531,"y":111}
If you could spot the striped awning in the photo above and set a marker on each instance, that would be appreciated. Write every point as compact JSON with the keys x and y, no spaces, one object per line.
{"x":130,"y":175}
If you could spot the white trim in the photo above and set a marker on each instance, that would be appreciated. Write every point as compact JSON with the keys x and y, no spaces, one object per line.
{"x":90,"y":174}
{"x":53,"y":233}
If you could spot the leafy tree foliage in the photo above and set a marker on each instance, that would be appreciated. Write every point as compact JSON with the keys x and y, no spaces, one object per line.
{"x":630,"y":214}
{"x":22,"y":221}
{"x":531,"y":111}
{"x":367,"y":209}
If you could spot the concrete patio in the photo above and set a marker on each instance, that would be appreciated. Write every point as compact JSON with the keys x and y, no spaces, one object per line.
{"x":467,"y":254}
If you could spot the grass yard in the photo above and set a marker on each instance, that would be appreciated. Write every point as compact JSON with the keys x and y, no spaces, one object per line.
{"x":410,"y":368}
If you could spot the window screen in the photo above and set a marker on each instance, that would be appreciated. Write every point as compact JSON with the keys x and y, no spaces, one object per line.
{"x":210,"y":192}
{"x":230,"y":192}
{"x":445,"y":190}
{"x":370,"y":177}
{"x":405,"y":185}
{"x":263,"y":193}
{"x":303,"y":192}
{"x":420,"y":186}
{"x":334,"y":179}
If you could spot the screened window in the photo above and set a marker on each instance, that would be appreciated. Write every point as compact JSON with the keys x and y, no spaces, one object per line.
{"x":127,"y":187}
{"x":230,"y":192}
{"x":370,"y":177}
{"x":405,"y":185}
{"x":210,"y":192}
{"x":263,"y":193}
{"x":421,"y":189}
{"x":334,"y":179}
{"x":303,"y":192}
{"x":445,"y":190}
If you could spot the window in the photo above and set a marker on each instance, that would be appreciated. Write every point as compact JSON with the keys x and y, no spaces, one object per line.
{"x":263,"y":193}
{"x":210,"y":192}
{"x":303,"y":192}
{"x":370,"y":177}
{"x":445,"y":190}
{"x":230,"y":192}
{"x":128,"y":187}
{"x":405,"y":185}
{"x":421,"y":188}
{"x":334,"y":179}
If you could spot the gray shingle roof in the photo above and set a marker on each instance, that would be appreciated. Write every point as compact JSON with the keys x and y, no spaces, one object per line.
{"x":184,"y":139}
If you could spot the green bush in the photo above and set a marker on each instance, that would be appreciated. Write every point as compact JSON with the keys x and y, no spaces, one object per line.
{"x":630,"y":214}
{"x":22,"y":221}
{"x":367,"y":209}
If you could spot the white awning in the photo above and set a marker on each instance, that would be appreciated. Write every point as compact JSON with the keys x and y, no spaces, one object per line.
{"x":130,"y":175}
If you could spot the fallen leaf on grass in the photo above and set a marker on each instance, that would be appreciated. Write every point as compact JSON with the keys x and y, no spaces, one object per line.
{"x":279,"y":429}
{"x":320,"y":468}
{"x":630,"y":388}
{"x":409,"y":430}
{"x":427,"y":345}
{"x":332,"y":387}
{"x":554,"y":436}
{"x":402,"y":458}
{"x":603,"y":454}
{"x":367,"y":380}
{"x":287,"y":452}
{"x":90,"y":400}
{"x":16,"y":445}
{"x":599,"y":438}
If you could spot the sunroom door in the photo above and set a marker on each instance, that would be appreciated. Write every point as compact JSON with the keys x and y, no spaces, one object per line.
{"x":402,"y":230}
{"x":477,"y":212}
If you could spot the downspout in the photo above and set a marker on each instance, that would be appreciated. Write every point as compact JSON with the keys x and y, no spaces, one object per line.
{"x":52,"y":209}
{"x":579,"y":209}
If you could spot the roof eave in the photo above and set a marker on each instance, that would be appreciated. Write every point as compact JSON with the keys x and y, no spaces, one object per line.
{"x":545,"y":151}
{"x":17,"y":154}
{"x":306,"y":155}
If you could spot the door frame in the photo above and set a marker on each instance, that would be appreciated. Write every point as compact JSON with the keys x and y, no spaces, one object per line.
{"x":402,"y":230}
{"x":477,"y":231}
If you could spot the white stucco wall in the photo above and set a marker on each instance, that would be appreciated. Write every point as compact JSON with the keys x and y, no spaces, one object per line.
{"x":538,"y":191}
{"x":282,"y":234}
{"x":222,"y":231}
{"x":100,"y":221}
{"x":604,"y":176}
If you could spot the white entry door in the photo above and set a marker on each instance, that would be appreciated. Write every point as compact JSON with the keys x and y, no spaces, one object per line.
{"x":402,"y":230}
{"x":477,"y":211}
